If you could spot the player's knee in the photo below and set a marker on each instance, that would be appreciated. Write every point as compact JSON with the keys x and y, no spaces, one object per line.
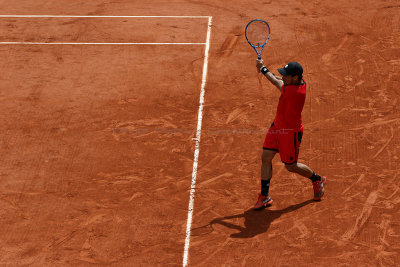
{"x":267,"y":156}
{"x":291,"y":167}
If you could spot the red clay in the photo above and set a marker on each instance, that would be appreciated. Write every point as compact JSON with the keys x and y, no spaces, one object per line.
{"x":97,"y":148}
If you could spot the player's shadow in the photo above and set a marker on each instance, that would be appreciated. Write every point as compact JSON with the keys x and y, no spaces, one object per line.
{"x":256,"y":221}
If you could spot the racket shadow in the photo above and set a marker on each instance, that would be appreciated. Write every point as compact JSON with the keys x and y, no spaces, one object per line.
{"x":256,"y":221}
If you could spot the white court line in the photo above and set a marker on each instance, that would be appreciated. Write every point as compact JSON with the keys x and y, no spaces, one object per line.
{"x":196,"y":151}
{"x":67,"y":43}
{"x":79,"y":16}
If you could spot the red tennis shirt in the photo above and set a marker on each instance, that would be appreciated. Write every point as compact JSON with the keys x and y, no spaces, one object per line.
{"x":290,"y":106}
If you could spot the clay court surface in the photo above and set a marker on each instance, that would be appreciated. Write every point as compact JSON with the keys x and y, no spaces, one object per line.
{"x":98,"y":141}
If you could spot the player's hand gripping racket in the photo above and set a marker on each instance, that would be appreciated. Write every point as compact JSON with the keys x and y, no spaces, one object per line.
{"x":257,"y":34}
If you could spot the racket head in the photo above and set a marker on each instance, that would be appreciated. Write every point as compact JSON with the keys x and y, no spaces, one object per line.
{"x":257,"y":34}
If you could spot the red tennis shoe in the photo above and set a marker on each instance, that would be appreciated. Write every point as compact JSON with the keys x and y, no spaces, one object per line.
{"x":319,"y":189}
{"x":263,"y":201}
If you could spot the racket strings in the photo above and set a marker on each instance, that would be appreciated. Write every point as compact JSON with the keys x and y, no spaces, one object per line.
{"x":257,"y":33}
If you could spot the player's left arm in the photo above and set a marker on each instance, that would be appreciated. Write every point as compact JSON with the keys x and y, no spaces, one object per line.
{"x":277,"y":81}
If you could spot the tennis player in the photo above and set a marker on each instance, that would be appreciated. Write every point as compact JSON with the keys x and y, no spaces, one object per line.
{"x":284,"y":135}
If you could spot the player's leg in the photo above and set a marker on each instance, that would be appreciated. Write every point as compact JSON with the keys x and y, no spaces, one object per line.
{"x":317,"y":181}
{"x":269,"y":150}
{"x":289,"y":148}
{"x":266,"y":163}
{"x":264,"y":198}
{"x":300,"y":168}
{"x":266,"y":170}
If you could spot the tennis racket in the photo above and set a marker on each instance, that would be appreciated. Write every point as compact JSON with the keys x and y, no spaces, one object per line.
{"x":257,"y":34}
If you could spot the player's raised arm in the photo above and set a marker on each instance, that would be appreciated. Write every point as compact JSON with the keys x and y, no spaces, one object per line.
{"x":270,"y":76}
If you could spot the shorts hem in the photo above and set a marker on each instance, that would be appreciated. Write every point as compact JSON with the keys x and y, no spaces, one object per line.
{"x":289,"y":163}
{"x":274,"y":149}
